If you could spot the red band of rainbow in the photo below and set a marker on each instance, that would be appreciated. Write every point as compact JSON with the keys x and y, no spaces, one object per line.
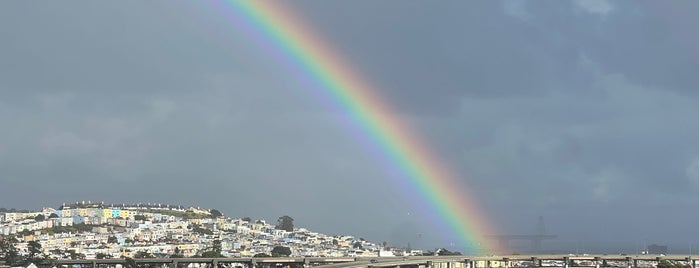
{"x":298,"y":44}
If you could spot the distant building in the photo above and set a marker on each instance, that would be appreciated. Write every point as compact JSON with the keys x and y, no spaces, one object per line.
{"x":657,"y":249}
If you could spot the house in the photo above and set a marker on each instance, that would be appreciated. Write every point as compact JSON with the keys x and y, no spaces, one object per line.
{"x":65,"y":221}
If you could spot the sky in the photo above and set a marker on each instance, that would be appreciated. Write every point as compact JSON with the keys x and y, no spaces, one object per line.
{"x":583,"y":112}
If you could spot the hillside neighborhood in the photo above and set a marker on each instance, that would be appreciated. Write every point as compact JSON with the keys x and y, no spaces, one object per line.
{"x":97,"y":231}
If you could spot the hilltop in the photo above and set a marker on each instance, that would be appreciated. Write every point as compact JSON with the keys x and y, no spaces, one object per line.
{"x":98,"y":230}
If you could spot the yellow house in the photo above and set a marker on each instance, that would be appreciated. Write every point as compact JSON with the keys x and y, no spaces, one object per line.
{"x":67,"y":213}
{"x":107,"y":213}
{"x":29,"y":238}
{"x":126,"y":214}
{"x":83,"y":212}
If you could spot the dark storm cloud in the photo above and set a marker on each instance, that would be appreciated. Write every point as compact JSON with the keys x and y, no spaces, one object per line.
{"x":574,"y":110}
{"x":546,"y":106}
{"x":475,"y":50}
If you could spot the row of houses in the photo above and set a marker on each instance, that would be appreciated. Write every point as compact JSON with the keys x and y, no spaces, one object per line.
{"x":104,"y":213}
{"x":159,"y":234}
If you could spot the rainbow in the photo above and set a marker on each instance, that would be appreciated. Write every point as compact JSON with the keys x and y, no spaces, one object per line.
{"x":296,"y":44}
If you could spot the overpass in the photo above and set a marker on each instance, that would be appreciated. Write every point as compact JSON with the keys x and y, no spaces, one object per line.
{"x":198,"y":262}
{"x":524,"y":261}
{"x":493,"y":261}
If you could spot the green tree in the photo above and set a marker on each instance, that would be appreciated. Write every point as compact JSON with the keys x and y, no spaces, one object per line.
{"x":358,"y":245}
{"x":112,"y":239}
{"x":261,"y":255}
{"x":280,"y":251}
{"x":75,"y":256}
{"x":285,"y":223}
{"x":446,"y":252}
{"x":212,"y":254}
{"x":8,"y":251}
{"x":198,"y":229}
{"x":101,"y":256}
{"x":215,"y":251}
{"x":142,"y":255}
{"x":34,"y":251}
{"x":215,"y":213}
{"x":216,"y":246}
{"x":53,"y":216}
{"x":40,"y":217}
{"x":247,"y":219}
{"x":139,"y":217}
{"x":177,"y":254}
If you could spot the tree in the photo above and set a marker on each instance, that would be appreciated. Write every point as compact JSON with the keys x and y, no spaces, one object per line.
{"x":39,"y":218}
{"x":446,"y":252}
{"x":261,"y":255}
{"x":177,"y":254}
{"x":198,"y":229}
{"x":280,"y":251}
{"x":247,"y":219}
{"x":215,"y":251}
{"x":139,"y":217}
{"x":358,"y":245}
{"x":75,"y":256}
{"x":216,"y":246}
{"x":142,"y":255}
{"x":212,"y":254}
{"x":8,"y":251}
{"x":101,"y":256}
{"x":215,"y":213}
{"x":112,"y":239}
{"x":285,"y":223}
{"x":53,"y":216}
{"x":34,"y":250}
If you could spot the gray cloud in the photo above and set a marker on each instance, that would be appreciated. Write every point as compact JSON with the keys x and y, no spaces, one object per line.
{"x":582,"y":112}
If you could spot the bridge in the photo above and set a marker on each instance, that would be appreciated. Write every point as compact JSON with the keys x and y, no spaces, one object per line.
{"x":500,"y":261}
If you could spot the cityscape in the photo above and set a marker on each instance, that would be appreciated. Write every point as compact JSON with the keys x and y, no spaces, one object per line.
{"x":349,"y":134}
{"x":136,"y":235}
{"x":99,"y":231}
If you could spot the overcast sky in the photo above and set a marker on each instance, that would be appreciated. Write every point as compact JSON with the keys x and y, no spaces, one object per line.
{"x":583,"y":112}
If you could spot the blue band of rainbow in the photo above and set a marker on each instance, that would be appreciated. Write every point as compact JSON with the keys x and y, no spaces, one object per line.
{"x":280,"y":30}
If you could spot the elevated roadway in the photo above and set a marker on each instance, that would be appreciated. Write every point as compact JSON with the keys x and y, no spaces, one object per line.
{"x":508,"y":261}
{"x":492,"y":261}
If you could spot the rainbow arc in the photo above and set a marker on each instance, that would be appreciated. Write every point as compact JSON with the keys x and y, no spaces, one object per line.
{"x":296,"y":44}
